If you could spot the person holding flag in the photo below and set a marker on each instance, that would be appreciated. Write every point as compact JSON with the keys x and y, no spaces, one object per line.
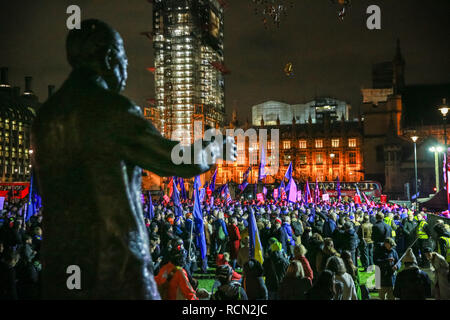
{"x":338,"y":189}
{"x":255,"y":246}
{"x":176,"y":199}
{"x":198,"y":225}
{"x":150,"y":210}
{"x":316,"y":193}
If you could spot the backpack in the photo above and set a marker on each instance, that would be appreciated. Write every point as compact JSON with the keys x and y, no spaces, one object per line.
{"x":221,"y":233}
{"x":164,"y":287}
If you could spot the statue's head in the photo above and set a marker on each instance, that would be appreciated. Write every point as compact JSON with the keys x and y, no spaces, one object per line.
{"x":98,"y":47}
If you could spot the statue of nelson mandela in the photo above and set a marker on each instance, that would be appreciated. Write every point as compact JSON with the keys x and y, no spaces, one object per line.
{"x":90,"y":146}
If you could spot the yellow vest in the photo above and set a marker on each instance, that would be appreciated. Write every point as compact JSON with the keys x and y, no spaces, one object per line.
{"x":421,"y":234}
{"x":446,"y":255}
{"x":389,"y":222}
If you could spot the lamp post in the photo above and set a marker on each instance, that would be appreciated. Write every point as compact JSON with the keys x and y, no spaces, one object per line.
{"x":414,"y":139}
{"x":436,"y":151}
{"x":332,"y":155}
{"x":444,"y":110}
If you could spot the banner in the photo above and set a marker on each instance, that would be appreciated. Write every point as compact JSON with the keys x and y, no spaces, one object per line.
{"x":325,"y":197}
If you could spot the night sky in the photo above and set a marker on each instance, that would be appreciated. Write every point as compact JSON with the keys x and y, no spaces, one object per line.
{"x":330,"y":58}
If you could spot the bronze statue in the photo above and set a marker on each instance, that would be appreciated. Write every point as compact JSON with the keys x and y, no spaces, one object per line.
{"x":90,"y":144}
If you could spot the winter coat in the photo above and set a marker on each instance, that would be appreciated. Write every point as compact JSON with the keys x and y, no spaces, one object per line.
{"x":349,"y":289}
{"x":412,"y":284}
{"x":328,"y":228}
{"x":381,"y":231}
{"x":387,"y":273}
{"x":235,"y":241}
{"x":349,"y":240}
{"x":294,"y":288}
{"x":179,"y":286}
{"x":253,"y":283}
{"x":409,"y":229}
{"x":289,"y":235}
{"x":297,"y":227}
{"x":230,"y":291}
{"x":255,"y":288}
{"x":365,"y":233}
{"x":306,"y":267}
{"x":275,"y":267}
{"x":441,"y":285}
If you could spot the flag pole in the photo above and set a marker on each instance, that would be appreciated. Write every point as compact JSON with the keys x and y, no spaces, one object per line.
{"x":190,"y":239}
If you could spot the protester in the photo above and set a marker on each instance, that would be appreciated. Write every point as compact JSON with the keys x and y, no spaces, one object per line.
{"x":412,"y":283}
{"x":323,"y":255}
{"x":326,"y":288}
{"x":441,"y":285}
{"x":275,"y":266}
{"x":172,"y":280}
{"x":234,"y":241}
{"x":387,"y":261}
{"x":300,"y":255}
{"x":253,"y":281}
{"x":336,"y":265}
{"x":366,"y":243}
{"x":295,"y":284}
{"x":228,"y":290}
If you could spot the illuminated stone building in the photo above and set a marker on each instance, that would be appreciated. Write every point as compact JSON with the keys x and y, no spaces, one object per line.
{"x":393,"y":112}
{"x":16,"y":115}
{"x":323,"y":150}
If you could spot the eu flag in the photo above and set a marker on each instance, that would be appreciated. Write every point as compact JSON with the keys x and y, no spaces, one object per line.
{"x":198,"y":218}
{"x":150,"y":212}
{"x":176,"y":200}
{"x":212,"y":184}
{"x":262,"y":164}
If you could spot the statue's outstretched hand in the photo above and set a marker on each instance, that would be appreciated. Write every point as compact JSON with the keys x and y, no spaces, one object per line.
{"x":230,"y":149}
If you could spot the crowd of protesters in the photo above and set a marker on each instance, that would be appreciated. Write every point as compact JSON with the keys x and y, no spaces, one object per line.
{"x":20,"y":246}
{"x":309,"y":251}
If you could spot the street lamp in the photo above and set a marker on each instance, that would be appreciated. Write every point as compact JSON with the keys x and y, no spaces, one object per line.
{"x":444,"y":110}
{"x":332,"y":155}
{"x":414,"y":139}
{"x":436,"y":150}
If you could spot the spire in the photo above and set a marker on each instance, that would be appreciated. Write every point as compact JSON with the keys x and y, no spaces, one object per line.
{"x":262,"y":121}
{"x":398,"y":54}
{"x":278,"y":120}
{"x":399,"y":70}
{"x":293,"y":120}
{"x":310,"y":119}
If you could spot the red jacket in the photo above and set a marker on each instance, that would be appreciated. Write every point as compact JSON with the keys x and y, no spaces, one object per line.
{"x":306,"y":267}
{"x":179,"y":286}
{"x":235,"y":240}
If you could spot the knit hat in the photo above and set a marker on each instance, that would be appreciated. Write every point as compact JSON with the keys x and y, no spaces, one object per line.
{"x":427,"y":250}
{"x":410,"y":257}
{"x":223,"y":272}
{"x":276,"y":246}
{"x":390,"y":241}
{"x":277,"y":220}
